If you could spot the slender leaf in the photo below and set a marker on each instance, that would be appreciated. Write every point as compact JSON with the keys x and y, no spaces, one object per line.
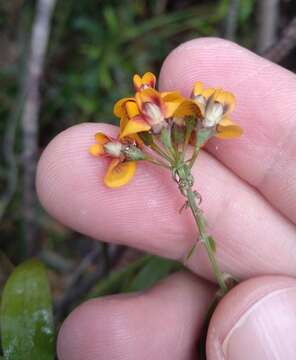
{"x":26,"y":314}
{"x":190,"y":252}
{"x":112,"y":284}
{"x":212,"y":243}
{"x":156,"y":269}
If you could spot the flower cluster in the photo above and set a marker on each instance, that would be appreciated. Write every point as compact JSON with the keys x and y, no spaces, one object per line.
{"x":168,"y":129}
{"x":163,"y":127}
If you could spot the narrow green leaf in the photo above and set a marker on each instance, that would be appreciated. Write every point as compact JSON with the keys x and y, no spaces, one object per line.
{"x":156,"y":269}
{"x":112,"y":284}
{"x":26,"y":314}
{"x":190,"y":252}
{"x":212,"y":243}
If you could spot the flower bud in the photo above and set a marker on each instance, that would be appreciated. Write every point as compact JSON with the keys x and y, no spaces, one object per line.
{"x":213,"y":115}
{"x":132,"y":152}
{"x":154,"y":117}
{"x":113,"y":148}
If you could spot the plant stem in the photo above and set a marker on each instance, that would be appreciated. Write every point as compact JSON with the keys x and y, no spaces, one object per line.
{"x":204,"y":238}
{"x":156,"y":162}
{"x":185,"y":181}
{"x":194,"y":156}
{"x":160,"y":152}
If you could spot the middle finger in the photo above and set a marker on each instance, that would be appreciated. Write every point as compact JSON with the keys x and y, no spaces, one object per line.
{"x":252,"y":237}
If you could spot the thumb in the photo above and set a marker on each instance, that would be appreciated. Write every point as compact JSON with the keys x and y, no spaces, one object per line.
{"x":256,"y":320}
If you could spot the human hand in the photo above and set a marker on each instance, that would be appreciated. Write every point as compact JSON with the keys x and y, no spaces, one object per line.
{"x":249,"y":191}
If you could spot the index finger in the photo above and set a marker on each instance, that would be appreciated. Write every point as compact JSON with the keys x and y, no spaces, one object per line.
{"x":266,"y":96}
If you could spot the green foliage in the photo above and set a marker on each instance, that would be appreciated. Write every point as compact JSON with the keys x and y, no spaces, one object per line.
{"x":114,"y":282}
{"x":26,"y":314}
{"x":138,"y":275}
{"x":106,"y":47}
{"x":212,"y":243}
{"x":246,"y":9}
{"x":190,"y":252}
{"x":153,"y":271}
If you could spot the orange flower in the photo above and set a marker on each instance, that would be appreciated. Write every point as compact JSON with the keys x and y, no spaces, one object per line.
{"x":120,"y":171}
{"x":148,"y":80}
{"x":150,"y":110}
{"x":215,"y":105}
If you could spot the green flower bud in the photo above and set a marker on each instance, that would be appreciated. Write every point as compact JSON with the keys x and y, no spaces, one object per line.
{"x":132,"y":152}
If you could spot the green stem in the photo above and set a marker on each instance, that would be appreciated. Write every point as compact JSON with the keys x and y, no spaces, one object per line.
{"x":194,"y":156}
{"x":156,"y":162}
{"x":204,"y":238}
{"x":186,"y":142}
{"x":160,"y":152}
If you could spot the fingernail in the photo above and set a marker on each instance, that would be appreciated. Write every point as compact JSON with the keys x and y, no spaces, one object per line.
{"x":266,"y":331}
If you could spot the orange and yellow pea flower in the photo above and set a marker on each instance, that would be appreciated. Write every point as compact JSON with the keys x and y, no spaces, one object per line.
{"x":120,"y":171}
{"x":215,"y":105}
{"x":150,"y":110}
{"x":148,"y":80}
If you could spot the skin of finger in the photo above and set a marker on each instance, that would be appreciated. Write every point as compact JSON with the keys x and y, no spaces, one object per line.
{"x":266,"y":96}
{"x":236,"y":304}
{"x":252,"y":237}
{"x":162,"y":323}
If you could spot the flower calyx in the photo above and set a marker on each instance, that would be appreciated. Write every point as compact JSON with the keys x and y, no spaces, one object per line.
{"x":215,"y":105}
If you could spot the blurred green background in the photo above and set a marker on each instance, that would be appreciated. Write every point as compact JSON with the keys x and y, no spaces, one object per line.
{"x":93,"y":50}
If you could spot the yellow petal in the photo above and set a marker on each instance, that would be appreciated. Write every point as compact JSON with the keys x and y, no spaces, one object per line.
{"x":137,"y":80}
{"x":208,"y":92}
{"x":172,"y":100}
{"x":133,"y":137}
{"x":149,"y":79}
{"x":171,"y":108}
{"x":119,"y":173}
{"x":119,"y":109}
{"x":101,"y":138}
{"x":134,"y":126}
{"x":131,"y":109}
{"x":171,"y":95}
{"x":187,"y":108}
{"x":198,"y":88}
{"x":226,"y":121}
{"x":96,"y":150}
{"x":227,"y":129}
{"x":123,"y":121}
{"x":227,"y":99}
{"x":148,"y":95}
